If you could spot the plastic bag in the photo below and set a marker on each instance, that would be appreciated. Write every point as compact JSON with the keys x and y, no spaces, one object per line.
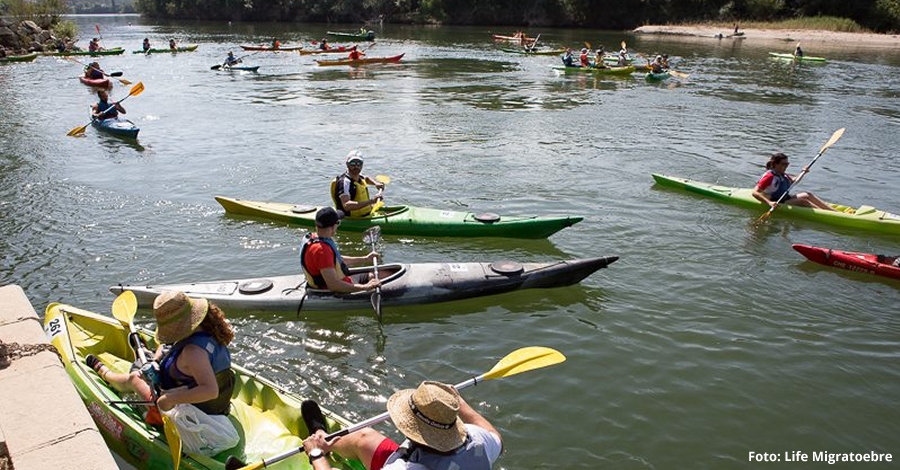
{"x":202,"y":433}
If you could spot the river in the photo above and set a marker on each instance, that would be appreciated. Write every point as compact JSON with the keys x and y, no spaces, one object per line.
{"x":709,"y":339}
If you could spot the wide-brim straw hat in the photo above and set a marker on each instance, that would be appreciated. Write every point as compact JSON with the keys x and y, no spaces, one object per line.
{"x":177,"y":315}
{"x":429,"y":415}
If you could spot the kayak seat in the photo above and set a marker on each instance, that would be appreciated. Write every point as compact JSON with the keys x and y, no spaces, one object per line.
{"x":270,"y":436}
{"x":507,"y":268}
{"x":256,"y":286}
{"x":302,"y":209}
{"x":487,"y":218}
{"x":865,"y":210}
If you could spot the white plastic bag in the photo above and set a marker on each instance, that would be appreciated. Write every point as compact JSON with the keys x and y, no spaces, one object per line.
{"x":202,"y":433}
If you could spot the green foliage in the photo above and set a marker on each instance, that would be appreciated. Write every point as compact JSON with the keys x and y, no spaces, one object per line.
{"x":886,"y":15}
{"x":65,"y":29}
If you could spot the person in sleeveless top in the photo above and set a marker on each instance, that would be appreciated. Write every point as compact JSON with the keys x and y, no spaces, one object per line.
{"x":192,"y":363}
{"x":442,"y":432}
{"x":775,"y":183}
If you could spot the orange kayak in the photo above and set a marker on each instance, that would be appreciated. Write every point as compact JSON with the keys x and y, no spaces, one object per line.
{"x":330,"y":50}
{"x":364,"y":60}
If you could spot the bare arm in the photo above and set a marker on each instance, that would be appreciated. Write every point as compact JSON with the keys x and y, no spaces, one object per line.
{"x":336,"y":282}
{"x":470,"y":416}
{"x":194,"y":362}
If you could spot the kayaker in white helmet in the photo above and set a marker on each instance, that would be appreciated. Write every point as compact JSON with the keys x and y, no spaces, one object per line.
{"x":350,"y":191}
{"x":441,"y":431}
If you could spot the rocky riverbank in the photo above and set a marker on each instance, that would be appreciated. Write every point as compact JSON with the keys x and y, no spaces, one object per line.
{"x":26,"y":36}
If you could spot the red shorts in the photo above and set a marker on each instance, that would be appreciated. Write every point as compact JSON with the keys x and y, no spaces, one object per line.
{"x":384,"y":450}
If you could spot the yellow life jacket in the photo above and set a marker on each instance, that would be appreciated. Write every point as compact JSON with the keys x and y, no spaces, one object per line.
{"x":359,"y":192}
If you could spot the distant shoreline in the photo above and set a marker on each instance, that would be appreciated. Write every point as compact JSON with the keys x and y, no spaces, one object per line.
{"x":826,"y":38}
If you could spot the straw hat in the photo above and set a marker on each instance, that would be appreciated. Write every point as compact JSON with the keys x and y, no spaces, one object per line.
{"x":429,"y":415}
{"x":177,"y":315}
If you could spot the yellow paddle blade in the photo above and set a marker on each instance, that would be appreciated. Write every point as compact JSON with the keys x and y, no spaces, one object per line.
{"x":124,"y":307}
{"x":678,"y":74}
{"x":623,"y":45}
{"x":137,"y":89}
{"x":383,"y":179}
{"x":523,"y":360}
{"x":588,"y":45}
{"x":378,"y":206}
{"x":834,"y":138}
{"x":78,"y":130}
{"x":174,"y":440}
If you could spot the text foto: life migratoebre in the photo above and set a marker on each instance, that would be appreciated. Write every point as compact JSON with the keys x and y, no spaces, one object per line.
{"x":828,"y":457}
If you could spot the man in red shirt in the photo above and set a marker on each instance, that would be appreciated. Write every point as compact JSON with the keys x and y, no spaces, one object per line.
{"x":322,"y":262}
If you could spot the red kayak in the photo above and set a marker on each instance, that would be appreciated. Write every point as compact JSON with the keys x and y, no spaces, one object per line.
{"x":851,"y":261}
{"x":96,"y":82}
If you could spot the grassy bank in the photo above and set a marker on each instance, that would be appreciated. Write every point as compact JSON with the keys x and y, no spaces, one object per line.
{"x":813,"y":23}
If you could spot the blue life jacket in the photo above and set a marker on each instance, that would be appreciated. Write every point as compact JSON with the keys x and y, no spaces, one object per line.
{"x":219,"y":358}
{"x":780,"y":185}
{"x":103,"y":106}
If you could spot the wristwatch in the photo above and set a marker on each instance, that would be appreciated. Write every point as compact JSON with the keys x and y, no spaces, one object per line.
{"x":315,"y":454}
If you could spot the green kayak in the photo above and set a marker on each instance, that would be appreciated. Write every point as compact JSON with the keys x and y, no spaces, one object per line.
{"x":804,"y":58}
{"x":267,"y":417}
{"x":656,"y":77}
{"x":863,"y":217}
{"x":625,"y":70}
{"x":18,"y":58}
{"x":190,"y":48}
{"x":113,"y":51}
{"x":359,"y":35}
{"x":409,"y":220}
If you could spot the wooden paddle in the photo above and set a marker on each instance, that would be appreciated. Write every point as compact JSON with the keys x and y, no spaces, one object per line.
{"x":371,"y":237}
{"x":516,"y":362}
{"x":123,"y":309}
{"x":114,"y":74}
{"x":679,"y":74}
{"x":834,"y":138}
{"x":135,"y":90}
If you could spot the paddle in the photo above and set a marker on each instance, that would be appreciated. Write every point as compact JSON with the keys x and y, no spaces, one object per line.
{"x":678,"y":74}
{"x":385,"y":179}
{"x":114,"y":74}
{"x":516,"y":362}
{"x":135,"y":90}
{"x":97,"y":27}
{"x":124,"y":309}
{"x":371,"y":237}
{"x":834,"y":138}
{"x":533,"y":44}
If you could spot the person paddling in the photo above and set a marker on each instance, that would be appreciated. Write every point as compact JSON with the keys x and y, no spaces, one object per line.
{"x":775,"y":183}
{"x":442,"y":431}
{"x":231,"y":60}
{"x":103,"y":109}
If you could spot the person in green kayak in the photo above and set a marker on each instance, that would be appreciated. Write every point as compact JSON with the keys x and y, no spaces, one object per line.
{"x":190,"y":373}
{"x":798,"y":52}
{"x":103,"y":109}
{"x":441,"y":431}
{"x":172,"y":45}
{"x":322,"y":262}
{"x":775,"y":183}
{"x":146,"y":45}
{"x":350,"y":191}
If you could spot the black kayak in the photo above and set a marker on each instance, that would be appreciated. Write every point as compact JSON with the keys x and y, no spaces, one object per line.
{"x":402,"y":284}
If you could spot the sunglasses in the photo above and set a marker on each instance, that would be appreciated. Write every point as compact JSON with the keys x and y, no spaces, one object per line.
{"x":355,"y":165}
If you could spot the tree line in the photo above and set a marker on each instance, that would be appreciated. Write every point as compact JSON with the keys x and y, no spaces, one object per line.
{"x":875,"y":15}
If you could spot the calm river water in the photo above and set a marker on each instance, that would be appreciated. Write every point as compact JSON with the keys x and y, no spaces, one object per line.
{"x":709,"y":339}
